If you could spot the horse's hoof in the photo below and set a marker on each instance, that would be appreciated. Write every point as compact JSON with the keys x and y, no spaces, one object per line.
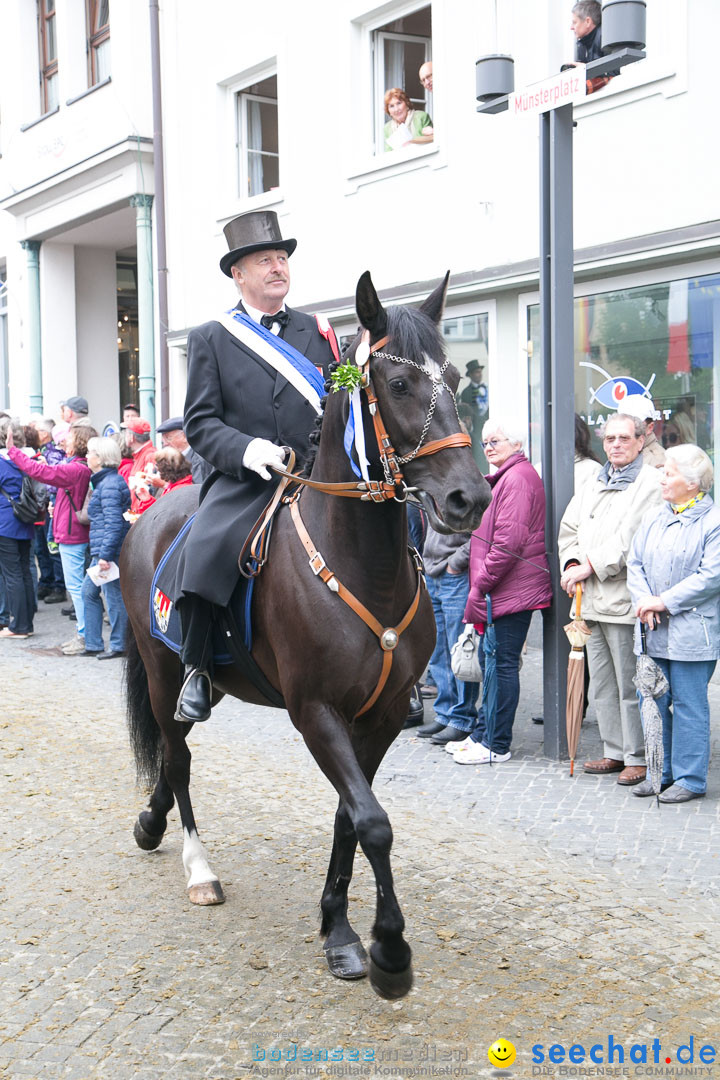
{"x":347,"y":961}
{"x":206,"y":893}
{"x":144,"y":840}
{"x":390,"y":984}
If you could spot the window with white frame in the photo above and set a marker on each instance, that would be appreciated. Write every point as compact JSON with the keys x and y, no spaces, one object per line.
{"x":98,"y":40}
{"x":257,"y":138}
{"x":399,"y":49}
{"x":47,"y":40}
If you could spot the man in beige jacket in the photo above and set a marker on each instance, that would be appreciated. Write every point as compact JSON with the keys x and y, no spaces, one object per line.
{"x":594,"y":541}
{"x":643,"y":408}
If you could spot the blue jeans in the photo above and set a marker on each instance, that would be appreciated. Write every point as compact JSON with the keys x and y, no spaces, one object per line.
{"x":686,"y":726}
{"x":456,"y":701}
{"x":510,"y":632}
{"x":73,"y":564}
{"x":94,"y":614}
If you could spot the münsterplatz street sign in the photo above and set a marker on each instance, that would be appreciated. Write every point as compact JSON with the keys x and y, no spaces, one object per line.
{"x":566,"y":88}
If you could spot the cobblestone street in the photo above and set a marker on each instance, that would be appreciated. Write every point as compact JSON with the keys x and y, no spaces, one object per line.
{"x":540,"y":909}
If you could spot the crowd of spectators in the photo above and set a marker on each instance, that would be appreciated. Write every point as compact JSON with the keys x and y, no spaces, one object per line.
{"x":93,"y":489}
{"x":641,"y":539}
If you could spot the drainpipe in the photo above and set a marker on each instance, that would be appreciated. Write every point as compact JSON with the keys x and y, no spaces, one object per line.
{"x":146,"y":377}
{"x":159,"y":164}
{"x":32,"y":247}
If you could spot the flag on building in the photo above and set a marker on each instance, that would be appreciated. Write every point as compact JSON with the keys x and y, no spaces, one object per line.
{"x":678,"y":346}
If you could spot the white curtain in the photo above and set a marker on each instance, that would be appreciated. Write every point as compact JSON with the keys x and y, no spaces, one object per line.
{"x":394,"y":64}
{"x":254,"y":142}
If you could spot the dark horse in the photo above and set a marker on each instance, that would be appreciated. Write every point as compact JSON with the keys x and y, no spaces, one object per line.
{"x":346,"y":681}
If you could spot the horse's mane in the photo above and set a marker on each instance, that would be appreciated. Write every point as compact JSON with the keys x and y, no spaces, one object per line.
{"x":412,"y":333}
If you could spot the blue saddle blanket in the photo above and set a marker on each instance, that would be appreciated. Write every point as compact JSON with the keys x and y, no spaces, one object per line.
{"x":164,"y":616}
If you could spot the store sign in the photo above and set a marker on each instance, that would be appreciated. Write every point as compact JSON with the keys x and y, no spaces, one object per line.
{"x":612,"y":391}
{"x":564,"y":89}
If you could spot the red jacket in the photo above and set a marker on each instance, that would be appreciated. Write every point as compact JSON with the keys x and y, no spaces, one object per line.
{"x":513,"y":525}
{"x":143,"y":506}
{"x":125,"y":466}
{"x":178,"y":483}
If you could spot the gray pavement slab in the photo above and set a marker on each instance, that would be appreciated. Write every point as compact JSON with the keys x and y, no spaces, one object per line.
{"x":539,"y":908}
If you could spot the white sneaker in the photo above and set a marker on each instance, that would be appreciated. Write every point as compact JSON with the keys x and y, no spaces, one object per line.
{"x":455,"y":747}
{"x":478,"y":754}
{"x":73,"y":648}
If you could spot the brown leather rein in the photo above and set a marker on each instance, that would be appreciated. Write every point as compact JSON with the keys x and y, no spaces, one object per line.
{"x":393,"y":487}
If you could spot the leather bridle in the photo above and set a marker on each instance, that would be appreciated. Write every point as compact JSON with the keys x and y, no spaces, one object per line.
{"x":392,"y":487}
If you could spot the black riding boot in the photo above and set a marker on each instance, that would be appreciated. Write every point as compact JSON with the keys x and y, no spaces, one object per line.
{"x":416,"y":711}
{"x":194,"y":701}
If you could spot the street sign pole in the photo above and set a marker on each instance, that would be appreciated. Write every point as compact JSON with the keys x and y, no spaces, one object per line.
{"x":558,"y":405}
{"x":555,"y":97}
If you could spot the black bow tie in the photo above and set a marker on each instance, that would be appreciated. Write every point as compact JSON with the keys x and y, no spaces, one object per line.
{"x":268,"y":321}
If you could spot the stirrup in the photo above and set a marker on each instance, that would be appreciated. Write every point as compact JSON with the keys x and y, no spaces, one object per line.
{"x":191,"y":672}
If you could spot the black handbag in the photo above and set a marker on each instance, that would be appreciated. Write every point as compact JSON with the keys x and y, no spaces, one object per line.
{"x":32,"y":502}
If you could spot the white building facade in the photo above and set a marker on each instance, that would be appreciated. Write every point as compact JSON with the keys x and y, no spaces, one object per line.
{"x":281,"y":108}
{"x":76,"y":139}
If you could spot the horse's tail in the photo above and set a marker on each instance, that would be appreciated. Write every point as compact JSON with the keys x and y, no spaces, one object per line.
{"x":142,"y":725}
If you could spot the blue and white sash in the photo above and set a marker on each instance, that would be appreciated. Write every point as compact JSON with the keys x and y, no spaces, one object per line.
{"x":285,"y":358}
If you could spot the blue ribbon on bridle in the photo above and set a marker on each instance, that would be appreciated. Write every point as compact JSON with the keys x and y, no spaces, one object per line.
{"x":355,"y":437}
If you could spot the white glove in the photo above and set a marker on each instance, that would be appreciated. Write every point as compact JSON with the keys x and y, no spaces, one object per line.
{"x":260,"y":453}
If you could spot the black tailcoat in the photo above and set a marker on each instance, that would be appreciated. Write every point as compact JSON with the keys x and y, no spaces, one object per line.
{"x":233,"y":396}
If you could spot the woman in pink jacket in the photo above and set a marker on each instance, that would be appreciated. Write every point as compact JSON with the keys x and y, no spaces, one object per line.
{"x":71,"y":478}
{"x":508,"y":562}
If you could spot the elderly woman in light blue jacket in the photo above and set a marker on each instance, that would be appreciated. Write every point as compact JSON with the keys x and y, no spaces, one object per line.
{"x":674,"y":582}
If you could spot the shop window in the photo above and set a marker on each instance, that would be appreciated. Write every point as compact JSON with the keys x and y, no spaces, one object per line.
{"x":98,"y":40}
{"x":399,"y":50}
{"x":257,"y":138}
{"x":48,"y":55}
{"x":660,"y":339}
{"x":466,"y":340}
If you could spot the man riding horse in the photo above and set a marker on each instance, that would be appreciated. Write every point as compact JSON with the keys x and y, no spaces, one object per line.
{"x":255,"y":378}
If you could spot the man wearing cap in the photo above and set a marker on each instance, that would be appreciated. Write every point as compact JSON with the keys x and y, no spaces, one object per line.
{"x":173,"y":434}
{"x":643,"y":408}
{"x":143,"y":452}
{"x":255,"y":378}
{"x":74,"y":408}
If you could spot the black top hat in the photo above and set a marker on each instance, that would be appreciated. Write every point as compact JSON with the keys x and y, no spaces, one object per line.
{"x":472,"y":365}
{"x":257,"y":231}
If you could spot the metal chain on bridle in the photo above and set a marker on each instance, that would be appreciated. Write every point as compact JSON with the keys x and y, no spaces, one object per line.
{"x":438,"y":384}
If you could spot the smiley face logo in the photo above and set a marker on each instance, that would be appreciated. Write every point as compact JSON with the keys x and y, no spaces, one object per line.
{"x":501,"y":1054}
